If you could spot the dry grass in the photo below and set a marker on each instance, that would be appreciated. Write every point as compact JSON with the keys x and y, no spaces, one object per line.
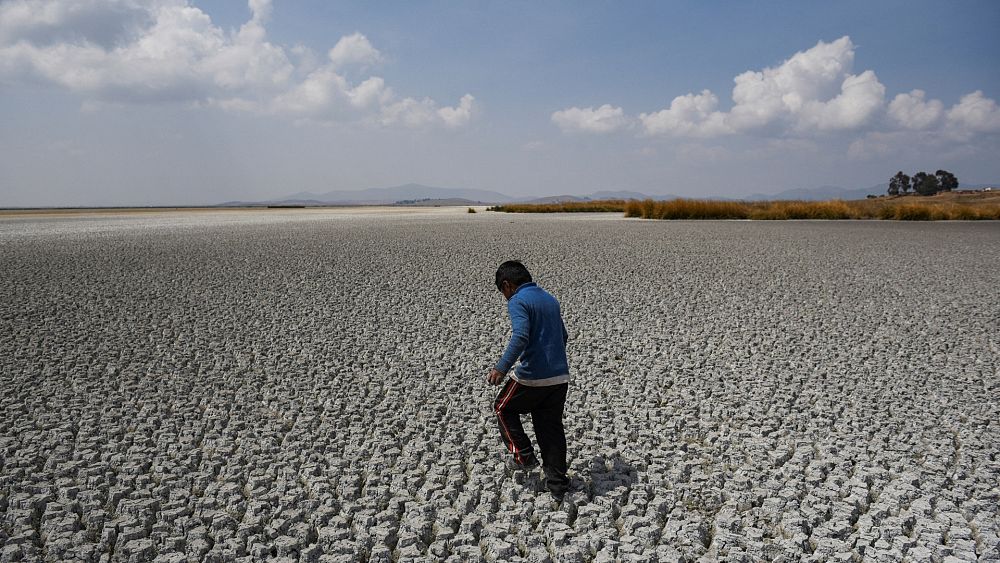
{"x":941,"y":207}
{"x":902,"y":209}
{"x":597,"y":206}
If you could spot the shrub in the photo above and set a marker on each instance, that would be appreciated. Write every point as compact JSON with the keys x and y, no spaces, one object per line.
{"x":472,"y":210}
{"x":901,"y":208}
{"x":912,"y":212}
{"x":633,"y":208}
{"x":595,"y":206}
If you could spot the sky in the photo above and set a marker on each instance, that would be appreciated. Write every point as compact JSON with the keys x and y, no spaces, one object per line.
{"x":185,"y":102}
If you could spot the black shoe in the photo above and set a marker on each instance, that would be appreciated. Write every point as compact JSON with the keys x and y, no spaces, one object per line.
{"x":513,"y":465}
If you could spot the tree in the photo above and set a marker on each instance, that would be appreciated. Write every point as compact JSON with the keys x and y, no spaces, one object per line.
{"x":918,"y":179}
{"x":928,"y":185}
{"x":947,"y":180}
{"x":899,"y":183}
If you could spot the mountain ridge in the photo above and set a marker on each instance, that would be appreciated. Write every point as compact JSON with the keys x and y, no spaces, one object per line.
{"x":409,"y":194}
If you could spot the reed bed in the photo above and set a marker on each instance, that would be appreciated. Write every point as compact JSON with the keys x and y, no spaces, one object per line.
{"x":882,"y":208}
{"x":943,"y":207}
{"x":594,"y":206}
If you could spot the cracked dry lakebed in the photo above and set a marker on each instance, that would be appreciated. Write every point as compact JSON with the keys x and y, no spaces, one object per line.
{"x":309,"y":385}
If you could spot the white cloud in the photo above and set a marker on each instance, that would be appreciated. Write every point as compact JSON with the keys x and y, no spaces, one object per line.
{"x":600,"y":120}
{"x":975,"y":113}
{"x":458,"y":115}
{"x":812,"y":93}
{"x":147,"y":51}
{"x":860,"y":98}
{"x":947,"y":143}
{"x":103,"y":22}
{"x":910,"y":111}
{"x":179,"y":55}
{"x":410,"y":112}
{"x":354,"y":49}
{"x":691,"y":115}
{"x":325,"y":95}
{"x":796,"y":91}
{"x":261,"y":10}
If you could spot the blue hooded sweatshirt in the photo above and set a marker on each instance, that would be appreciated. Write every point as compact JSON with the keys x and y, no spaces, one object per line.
{"x":538,"y":338}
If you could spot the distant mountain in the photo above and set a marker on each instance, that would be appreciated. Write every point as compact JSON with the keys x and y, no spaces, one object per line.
{"x":418,"y":194}
{"x":429,"y":202}
{"x":819,"y":194}
{"x":382,"y":196}
{"x":605,"y":194}
{"x":556,"y":199}
{"x":624,"y":194}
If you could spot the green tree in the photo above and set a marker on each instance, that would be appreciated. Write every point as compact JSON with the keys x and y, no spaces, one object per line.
{"x":918,"y":179}
{"x":928,"y":185}
{"x":899,"y":183}
{"x":893,"y":186}
{"x":947,"y":180}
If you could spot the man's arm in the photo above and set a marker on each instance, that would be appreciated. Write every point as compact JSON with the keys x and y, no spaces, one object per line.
{"x":520,"y":328}
{"x":565,"y":334}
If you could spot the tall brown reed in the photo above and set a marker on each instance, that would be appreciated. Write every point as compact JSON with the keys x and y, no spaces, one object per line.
{"x":834,"y":209}
{"x":595,"y":206}
{"x":900,"y":209}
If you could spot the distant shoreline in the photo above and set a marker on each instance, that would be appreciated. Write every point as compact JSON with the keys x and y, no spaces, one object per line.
{"x":71,"y":211}
{"x":958,"y":205}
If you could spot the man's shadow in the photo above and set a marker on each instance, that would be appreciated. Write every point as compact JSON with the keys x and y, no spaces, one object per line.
{"x":606,"y":474}
{"x":602,"y":475}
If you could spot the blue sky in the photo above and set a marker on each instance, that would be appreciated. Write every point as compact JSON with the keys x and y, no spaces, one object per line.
{"x":170,"y":102}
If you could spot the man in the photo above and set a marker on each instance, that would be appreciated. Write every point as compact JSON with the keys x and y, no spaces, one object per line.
{"x":538,"y":386}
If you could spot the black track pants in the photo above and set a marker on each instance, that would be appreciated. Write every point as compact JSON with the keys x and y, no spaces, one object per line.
{"x":545,"y":405}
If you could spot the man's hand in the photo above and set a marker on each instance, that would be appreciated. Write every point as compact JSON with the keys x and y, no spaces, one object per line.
{"x":495,"y":377}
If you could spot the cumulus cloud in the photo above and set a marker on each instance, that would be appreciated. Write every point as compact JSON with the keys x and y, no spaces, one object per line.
{"x":410,"y":112}
{"x":975,"y":113}
{"x":325,"y":95}
{"x":860,"y":98}
{"x":148,"y":51}
{"x":813,"y":92}
{"x":102,"y":22}
{"x":459,"y":115}
{"x":691,"y":115}
{"x":174,"y":53}
{"x":261,"y":10}
{"x":591,"y":120}
{"x":354,"y":49}
{"x":910,"y":111}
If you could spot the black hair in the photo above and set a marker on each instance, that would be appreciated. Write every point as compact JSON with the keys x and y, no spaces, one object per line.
{"x":514,"y":272}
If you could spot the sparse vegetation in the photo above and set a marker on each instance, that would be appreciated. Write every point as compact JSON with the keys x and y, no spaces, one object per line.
{"x":903,"y":208}
{"x":940,"y":207}
{"x":595,"y":206}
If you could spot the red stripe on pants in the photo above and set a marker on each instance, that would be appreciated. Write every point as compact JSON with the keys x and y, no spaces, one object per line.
{"x":499,"y":411}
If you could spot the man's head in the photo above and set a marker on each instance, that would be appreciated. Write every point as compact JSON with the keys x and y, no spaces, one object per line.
{"x":510,"y":275}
